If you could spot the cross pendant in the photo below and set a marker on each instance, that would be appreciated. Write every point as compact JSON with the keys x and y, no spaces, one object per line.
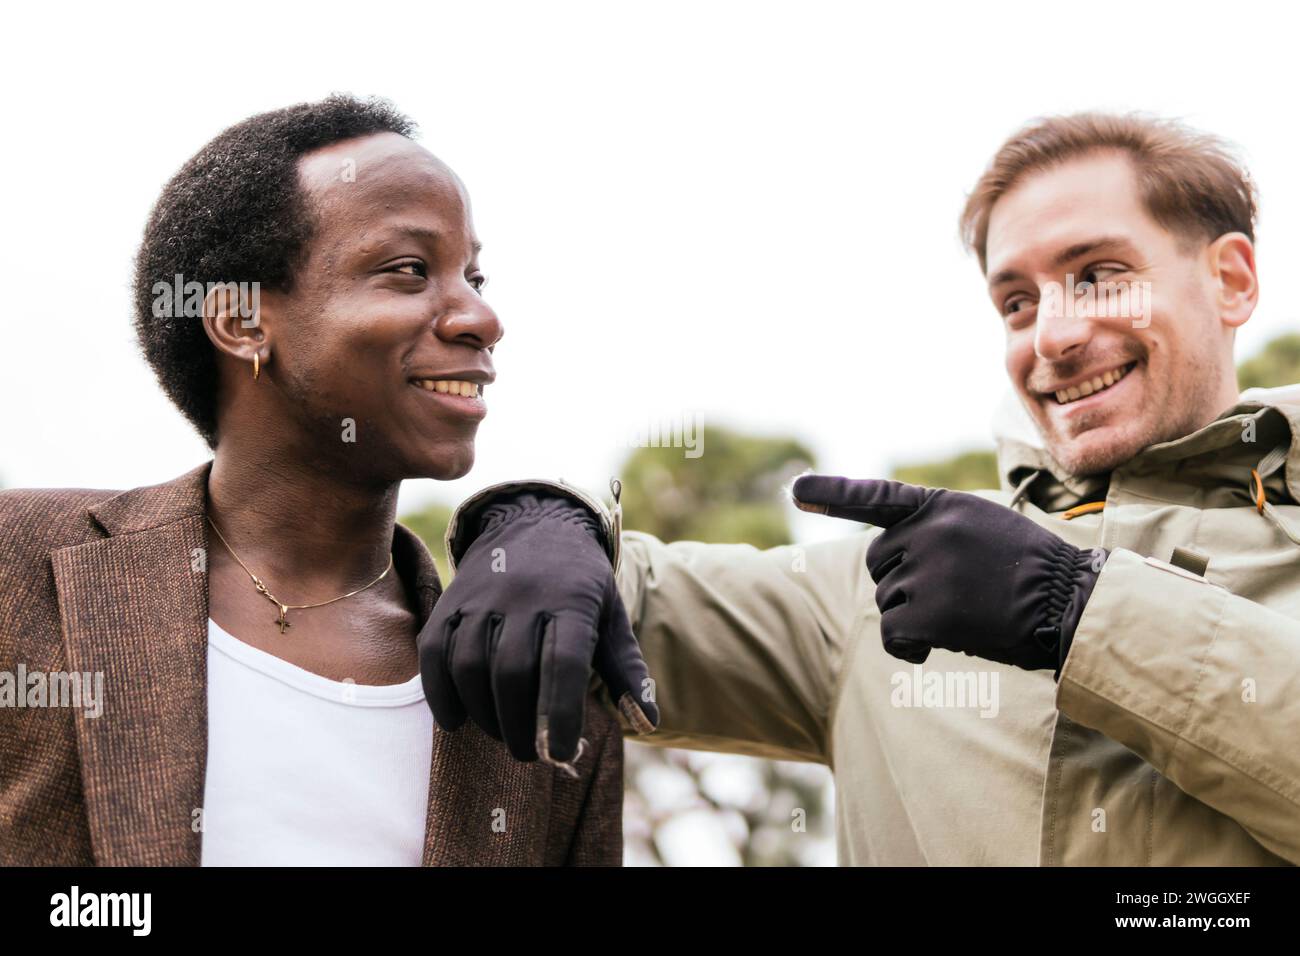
{"x":282,"y":621}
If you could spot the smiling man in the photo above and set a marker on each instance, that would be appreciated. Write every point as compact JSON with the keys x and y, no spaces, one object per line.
{"x":254,"y":621}
{"x":1130,"y":594}
{"x":1103,"y":387}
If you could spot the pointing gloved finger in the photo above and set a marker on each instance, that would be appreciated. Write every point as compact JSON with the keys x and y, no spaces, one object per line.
{"x":869,"y":500}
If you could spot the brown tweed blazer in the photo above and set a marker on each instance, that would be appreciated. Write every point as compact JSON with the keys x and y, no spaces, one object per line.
{"x":103,"y":581}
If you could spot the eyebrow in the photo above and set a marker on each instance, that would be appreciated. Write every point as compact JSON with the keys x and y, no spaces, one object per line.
{"x":431,"y":236}
{"x":1069,"y":254}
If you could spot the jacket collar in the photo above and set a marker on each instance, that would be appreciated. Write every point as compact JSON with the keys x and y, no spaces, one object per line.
{"x":134,"y":606}
{"x":1271,"y":417}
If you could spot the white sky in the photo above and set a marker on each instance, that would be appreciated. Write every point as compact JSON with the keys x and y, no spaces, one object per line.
{"x":742,"y":211}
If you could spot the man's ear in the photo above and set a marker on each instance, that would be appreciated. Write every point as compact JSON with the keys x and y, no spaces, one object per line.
{"x":1231,"y":259}
{"x":234,"y":320}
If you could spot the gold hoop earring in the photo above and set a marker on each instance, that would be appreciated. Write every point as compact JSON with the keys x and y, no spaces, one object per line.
{"x":257,"y":366}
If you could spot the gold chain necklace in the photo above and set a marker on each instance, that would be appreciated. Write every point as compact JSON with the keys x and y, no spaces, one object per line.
{"x":262,"y":589}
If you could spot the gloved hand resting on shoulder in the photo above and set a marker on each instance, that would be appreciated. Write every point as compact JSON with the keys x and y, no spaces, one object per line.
{"x":532,"y":610}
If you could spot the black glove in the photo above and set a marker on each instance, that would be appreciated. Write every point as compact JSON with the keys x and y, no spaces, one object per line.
{"x":963,"y":573}
{"x":512,"y":641}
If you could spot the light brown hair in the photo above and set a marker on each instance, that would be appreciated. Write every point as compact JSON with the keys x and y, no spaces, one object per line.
{"x":1191,"y":183}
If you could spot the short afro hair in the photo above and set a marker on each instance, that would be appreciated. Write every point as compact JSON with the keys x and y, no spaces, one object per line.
{"x":235,"y":213}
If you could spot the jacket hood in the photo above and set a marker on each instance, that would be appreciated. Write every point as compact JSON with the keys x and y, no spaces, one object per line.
{"x":1230,"y":445}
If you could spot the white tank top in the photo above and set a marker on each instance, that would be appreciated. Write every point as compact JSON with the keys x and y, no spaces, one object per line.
{"x":307,"y":771}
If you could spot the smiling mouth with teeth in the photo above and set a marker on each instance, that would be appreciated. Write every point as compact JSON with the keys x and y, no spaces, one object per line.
{"x":447,"y":387}
{"x":1098,"y":383}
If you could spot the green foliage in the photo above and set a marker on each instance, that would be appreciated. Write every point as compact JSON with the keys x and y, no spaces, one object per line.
{"x":731,"y":492}
{"x":965,"y":472}
{"x":1278,"y":363}
{"x":430,"y":524}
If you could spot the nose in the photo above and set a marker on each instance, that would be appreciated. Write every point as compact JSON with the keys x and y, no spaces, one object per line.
{"x":470,"y":322}
{"x":1059,"y":329}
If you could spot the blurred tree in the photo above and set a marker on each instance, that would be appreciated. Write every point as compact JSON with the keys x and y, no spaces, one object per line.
{"x":964,"y":472}
{"x":730,"y":493}
{"x":430,"y":524}
{"x":772,"y":812}
{"x":1278,"y":363}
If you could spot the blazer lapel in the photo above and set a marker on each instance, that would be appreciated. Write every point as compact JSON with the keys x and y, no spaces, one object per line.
{"x":134,"y":607}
